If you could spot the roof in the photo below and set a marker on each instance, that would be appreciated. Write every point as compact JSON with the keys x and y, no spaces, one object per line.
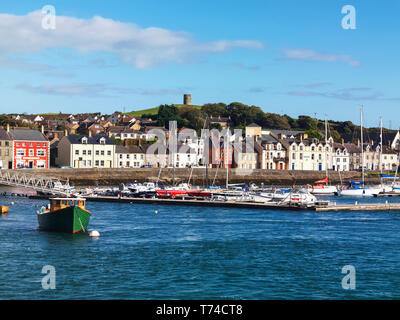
{"x":4,"y":135}
{"x":253,"y":125}
{"x":121,"y":149}
{"x":77,"y":139}
{"x":27,"y":135}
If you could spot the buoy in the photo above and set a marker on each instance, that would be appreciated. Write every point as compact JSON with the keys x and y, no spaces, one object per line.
{"x":12,"y":203}
{"x":156,"y":211}
{"x":94,"y":234}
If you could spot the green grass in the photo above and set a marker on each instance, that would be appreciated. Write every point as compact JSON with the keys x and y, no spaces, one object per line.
{"x":153,"y":111}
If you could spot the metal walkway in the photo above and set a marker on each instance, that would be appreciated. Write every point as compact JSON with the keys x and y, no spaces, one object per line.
{"x":47,"y":185}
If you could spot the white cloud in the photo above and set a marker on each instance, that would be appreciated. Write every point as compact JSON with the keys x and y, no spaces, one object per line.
{"x":312,"y":55}
{"x":140,"y":47}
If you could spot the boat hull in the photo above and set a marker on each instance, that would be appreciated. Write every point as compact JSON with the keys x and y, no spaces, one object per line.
{"x":323,"y":190}
{"x":72,"y":219}
{"x":359,"y":192}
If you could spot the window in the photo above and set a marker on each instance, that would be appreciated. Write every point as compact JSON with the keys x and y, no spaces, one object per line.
{"x":38,"y":144}
{"x":41,"y":153}
{"x":102,"y":152}
{"x":89,"y":163}
{"x":120,"y":156}
{"x":77,"y":152}
{"x":20,"y":152}
{"x":89,"y":152}
{"x":31,"y":152}
{"x":97,"y":152}
{"x":294,"y":156}
{"x":109,"y":153}
{"x":102,"y":163}
{"x":312,"y":156}
{"x":31,"y":144}
{"x":97,"y":163}
{"x":84,"y":152}
{"x":301,"y":156}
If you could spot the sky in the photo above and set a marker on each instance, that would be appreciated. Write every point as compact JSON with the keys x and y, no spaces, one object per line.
{"x":287,"y":57}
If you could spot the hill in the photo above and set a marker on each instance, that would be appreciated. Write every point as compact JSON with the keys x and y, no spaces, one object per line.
{"x":154,"y":111}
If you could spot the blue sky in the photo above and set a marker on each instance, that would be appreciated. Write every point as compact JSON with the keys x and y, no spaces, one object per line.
{"x":285,"y":56}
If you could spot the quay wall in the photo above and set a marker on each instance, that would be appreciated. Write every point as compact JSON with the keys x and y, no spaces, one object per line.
{"x":113,"y":177}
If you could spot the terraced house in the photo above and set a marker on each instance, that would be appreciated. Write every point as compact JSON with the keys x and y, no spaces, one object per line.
{"x":78,"y":151}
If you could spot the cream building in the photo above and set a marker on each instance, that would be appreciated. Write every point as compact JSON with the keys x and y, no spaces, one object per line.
{"x":309,"y":154}
{"x":79,"y":151}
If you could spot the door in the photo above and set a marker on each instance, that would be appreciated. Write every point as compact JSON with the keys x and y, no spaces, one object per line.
{"x":320,"y":167}
{"x":30,"y":164}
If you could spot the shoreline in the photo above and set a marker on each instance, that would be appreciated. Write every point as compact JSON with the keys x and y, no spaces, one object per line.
{"x":112,"y":177}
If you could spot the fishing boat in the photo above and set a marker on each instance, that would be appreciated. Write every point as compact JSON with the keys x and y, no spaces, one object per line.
{"x":3,"y":209}
{"x":321,"y":187}
{"x":64,"y":215}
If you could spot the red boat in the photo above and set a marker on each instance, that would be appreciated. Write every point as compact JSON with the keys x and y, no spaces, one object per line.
{"x":171,"y":192}
{"x":198,"y":194}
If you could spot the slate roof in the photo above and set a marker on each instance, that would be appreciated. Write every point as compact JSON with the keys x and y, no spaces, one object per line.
{"x":77,"y":139}
{"x":27,"y":135}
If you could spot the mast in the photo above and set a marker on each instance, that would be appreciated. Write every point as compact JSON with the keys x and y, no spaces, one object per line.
{"x":362,"y":143}
{"x":226,"y":158}
{"x":381,"y":147}
{"x":326,"y":145}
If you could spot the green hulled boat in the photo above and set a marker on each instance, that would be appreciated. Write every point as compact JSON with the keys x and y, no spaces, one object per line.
{"x":64,"y":215}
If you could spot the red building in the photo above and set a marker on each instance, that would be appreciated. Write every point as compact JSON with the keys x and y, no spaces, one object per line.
{"x":30,"y":149}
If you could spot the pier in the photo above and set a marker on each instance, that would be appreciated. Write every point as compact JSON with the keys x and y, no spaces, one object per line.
{"x":321,"y":206}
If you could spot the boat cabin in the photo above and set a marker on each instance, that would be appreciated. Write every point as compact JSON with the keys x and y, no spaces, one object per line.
{"x":61,"y":203}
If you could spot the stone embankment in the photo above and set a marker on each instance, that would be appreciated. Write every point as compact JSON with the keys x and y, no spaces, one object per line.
{"x":89,"y":177}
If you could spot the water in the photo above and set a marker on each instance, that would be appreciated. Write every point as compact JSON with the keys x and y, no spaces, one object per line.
{"x":200,"y":253}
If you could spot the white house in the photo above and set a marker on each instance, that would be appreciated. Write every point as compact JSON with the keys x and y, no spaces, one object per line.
{"x":79,"y":151}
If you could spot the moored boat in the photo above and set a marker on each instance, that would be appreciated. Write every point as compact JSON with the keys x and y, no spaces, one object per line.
{"x":321,"y":187}
{"x":3,"y":209}
{"x":64,"y":215}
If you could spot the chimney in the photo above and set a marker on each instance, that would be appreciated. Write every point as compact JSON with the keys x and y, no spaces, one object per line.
{"x":42,"y":129}
{"x":55,"y":135}
{"x":305,"y":135}
{"x":109,"y":133}
{"x":342,"y":142}
{"x":372,"y":142}
{"x":90,"y":133}
{"x":358,"y":142}
{"x":8,"y":127}
{"x":65,"y":132}
{"x":301,"y":138}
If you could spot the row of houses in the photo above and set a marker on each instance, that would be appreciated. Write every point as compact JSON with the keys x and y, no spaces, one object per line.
{"x":257,"y":148}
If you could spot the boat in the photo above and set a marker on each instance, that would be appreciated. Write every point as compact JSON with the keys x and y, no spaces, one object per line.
{"x":67,"y":215}
{"x":3,"y":209}
{"x":321,"y":187}
{"x":358,"y":188}
{"x":296,"y":196}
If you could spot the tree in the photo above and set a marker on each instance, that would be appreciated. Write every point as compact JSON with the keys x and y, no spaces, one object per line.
{"x":215,"y":109}
{"x":307,"y":123}
{"x":167,"y":113}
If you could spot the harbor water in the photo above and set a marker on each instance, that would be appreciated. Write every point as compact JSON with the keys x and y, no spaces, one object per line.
{"x":183,"y":252}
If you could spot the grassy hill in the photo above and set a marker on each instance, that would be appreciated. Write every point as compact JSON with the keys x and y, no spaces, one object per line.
{"x":153,"y":111}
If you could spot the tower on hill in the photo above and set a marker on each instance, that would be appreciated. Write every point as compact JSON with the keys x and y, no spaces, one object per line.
{"x":187,"y":99}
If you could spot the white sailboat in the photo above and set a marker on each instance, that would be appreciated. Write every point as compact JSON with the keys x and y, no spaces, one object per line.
{"x":358,"y":188}
{"x":322,"y":187}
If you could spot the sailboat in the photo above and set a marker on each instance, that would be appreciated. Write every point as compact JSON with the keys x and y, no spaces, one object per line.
{"x":322,"y":186}
{"x":358,"y":188}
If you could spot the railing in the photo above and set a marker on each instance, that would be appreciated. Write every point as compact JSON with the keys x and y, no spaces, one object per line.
{"x":43,"y":184}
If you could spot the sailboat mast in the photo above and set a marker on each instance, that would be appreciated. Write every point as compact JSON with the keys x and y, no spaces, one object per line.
{"x":381,"y":147}
{"x":226,"y":158}
{"x":362,"y":143}
{"x":326,"y":146}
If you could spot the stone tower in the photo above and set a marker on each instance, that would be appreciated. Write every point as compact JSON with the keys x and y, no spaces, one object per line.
{"x":187,"y":99}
